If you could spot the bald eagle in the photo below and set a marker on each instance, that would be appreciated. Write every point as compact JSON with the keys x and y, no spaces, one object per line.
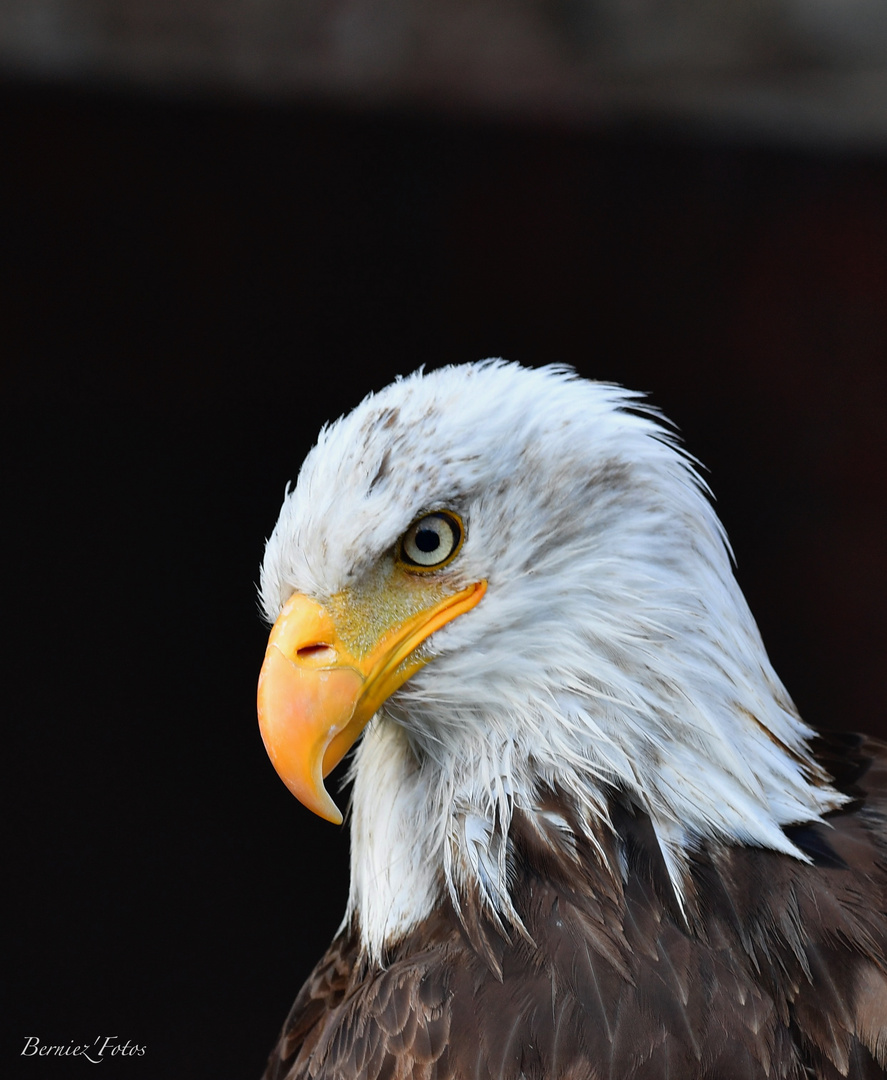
{"x":591,"y":835}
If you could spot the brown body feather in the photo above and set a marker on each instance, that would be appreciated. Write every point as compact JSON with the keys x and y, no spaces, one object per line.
{"x":777,"y":970}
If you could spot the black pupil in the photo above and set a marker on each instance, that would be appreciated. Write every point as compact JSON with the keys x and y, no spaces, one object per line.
{"x":427,"y":540}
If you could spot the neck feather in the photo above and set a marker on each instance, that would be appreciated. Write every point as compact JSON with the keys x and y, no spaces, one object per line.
{"x":424,"y":832}
{"x":395,"y":876}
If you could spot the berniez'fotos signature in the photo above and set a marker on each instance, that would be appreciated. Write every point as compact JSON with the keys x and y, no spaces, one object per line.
{"x":102,"y":1047}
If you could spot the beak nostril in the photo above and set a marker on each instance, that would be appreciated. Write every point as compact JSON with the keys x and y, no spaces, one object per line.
{"x":318,"y":652}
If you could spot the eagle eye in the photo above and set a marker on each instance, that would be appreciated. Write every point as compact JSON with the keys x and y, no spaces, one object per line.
{"x":431,"y":542}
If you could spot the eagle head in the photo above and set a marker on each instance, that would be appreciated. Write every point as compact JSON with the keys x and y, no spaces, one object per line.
{"x":513,"y":584}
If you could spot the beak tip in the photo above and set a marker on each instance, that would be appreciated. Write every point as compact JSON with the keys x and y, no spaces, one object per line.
{"x":318,"y":801}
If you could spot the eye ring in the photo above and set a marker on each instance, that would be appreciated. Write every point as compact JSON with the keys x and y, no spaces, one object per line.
{"x":431,"y":542}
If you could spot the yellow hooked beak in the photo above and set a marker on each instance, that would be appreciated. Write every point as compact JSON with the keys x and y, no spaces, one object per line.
{"x":317,"y":693}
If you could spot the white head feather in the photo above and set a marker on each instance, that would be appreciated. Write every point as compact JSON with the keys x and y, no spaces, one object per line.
{"x":613,"y":649}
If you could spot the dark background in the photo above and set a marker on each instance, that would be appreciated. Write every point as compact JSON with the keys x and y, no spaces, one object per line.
{"x":191,"y":287}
